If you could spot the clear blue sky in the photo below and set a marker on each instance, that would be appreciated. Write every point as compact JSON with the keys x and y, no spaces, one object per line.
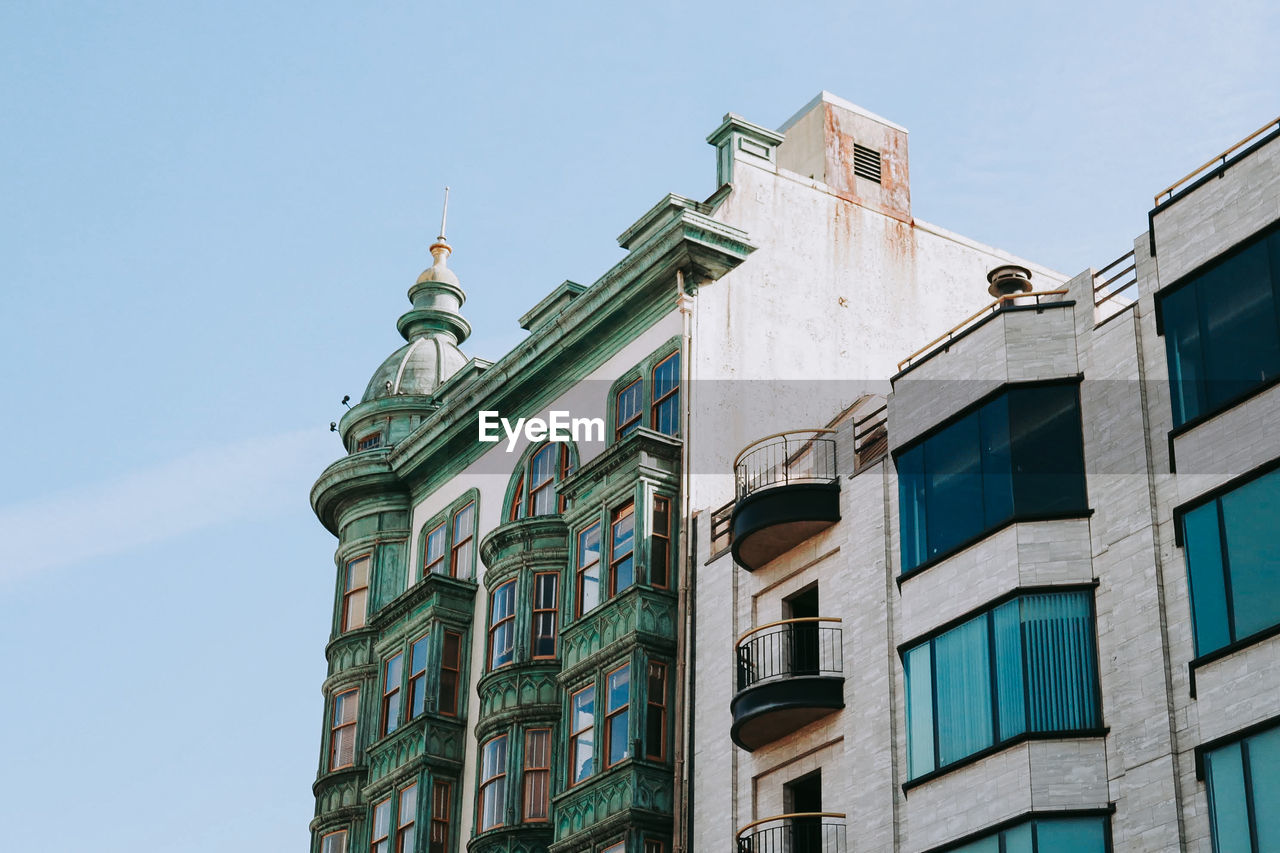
{"x":209,"y":216}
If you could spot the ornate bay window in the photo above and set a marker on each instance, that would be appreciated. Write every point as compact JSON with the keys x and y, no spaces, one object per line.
{"x":533,"y":490}
{"x":447,"y":543}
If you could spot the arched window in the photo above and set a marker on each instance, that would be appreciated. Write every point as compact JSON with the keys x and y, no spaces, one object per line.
{"x":534,"y":485}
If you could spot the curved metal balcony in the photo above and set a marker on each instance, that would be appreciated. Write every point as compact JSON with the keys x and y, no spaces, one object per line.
{"x":788,"y":489}
{"x":790,"y":673}
{"x":802,"y":832}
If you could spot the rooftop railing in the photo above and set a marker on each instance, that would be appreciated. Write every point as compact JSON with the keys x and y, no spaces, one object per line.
{"x":1034,"y":297}
{"x":798,"y":456}
{"x":1115,"y":287}
{"x":1217,"y":162}
{"x":800,"y":832}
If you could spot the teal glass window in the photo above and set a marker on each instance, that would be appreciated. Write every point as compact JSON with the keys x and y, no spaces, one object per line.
{"x":1243,"y":783}
{"x":1046,"y":835}
{"x":1222,"y":329}
{"x":1028,"y":665}
{"x":1233,"y":563}
{"x":1018,"y":456}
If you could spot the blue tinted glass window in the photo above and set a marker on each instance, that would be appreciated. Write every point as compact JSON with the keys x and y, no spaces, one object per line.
{"x":1228,"y":799}
{"x":1045,"y":835}
{"x":1035,"y":654}
{"x":1018,"y":455}
{"x":1222,"y":334}
{"x":1233,"y":563}
{"x":1264,"y":779}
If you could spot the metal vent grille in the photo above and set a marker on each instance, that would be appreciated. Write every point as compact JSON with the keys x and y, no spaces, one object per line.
{"x":866,"y":162}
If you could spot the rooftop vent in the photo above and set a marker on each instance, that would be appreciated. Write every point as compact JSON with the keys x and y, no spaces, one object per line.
{"x":866,"y":162}
{"x":1008,"y":279}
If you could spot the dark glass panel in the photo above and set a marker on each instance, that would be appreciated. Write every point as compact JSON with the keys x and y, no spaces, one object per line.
{"x":953,"y":485}
{"x":1203,"y":550}
{"x":1048,"y":460}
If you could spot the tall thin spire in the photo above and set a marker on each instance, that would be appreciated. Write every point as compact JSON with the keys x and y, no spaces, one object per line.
{"x":444,"y":214}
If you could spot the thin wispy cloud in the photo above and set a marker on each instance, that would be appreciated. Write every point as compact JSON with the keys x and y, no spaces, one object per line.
{"x":208,"y":487}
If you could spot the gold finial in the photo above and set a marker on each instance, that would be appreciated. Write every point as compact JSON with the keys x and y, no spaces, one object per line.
{"x":444,"y":214}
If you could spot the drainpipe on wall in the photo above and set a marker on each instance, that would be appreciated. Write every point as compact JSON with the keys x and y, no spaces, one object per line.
{"x":680,"y":797}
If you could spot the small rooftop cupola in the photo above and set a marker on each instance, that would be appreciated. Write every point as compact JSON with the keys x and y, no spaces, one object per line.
{"x":433,"y":327}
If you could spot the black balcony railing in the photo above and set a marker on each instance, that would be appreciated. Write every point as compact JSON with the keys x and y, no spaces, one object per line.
{"x":805,"y":832}
{"x":801,"y":456}
{"x":792,"y":647}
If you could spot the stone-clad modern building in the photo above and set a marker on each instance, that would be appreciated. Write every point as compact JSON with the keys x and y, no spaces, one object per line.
{"x":793,"y":578}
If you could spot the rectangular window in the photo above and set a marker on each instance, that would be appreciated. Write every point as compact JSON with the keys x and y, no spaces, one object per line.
{"x":1243,"y":783}
{"x":617,"y":715}
{"x":433,"y":560}
{"x":1233,"y":563}
{"x":1028,"y":665}
{"x":441,"y":810}
{"x":545,"y":613}
{"x":391,"y":672}
{"x":655,"y":721}
{"x":1222,"y":330}
{"x":381,"y":842}
{"x":369,"y":442}
{"x":334,"y":842}
{"x":582,"y":740}
{"x":1018,"y":456}
{"x":666,"y":395}
{"x":542,"y":481}
{"x":660,"y":544}
{"x":1046,"y":835}
{"x":537,"y":774}
{"x":502,"y":625}
{"x":653,"y":845}
{"x":342,"y":733}
{"x":355,"y":594}
{"x":418,"y":676}
{"x":622,"y":541}
{"x":627,"y":410}
{"x":405,"y":835}
{"x":464,"y":528}
{"x":450,"y":669}
{"x":588,"y":572}
{"x":493,"y":782}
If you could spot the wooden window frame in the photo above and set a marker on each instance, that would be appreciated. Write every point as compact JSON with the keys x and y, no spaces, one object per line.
{"x":665,"y":537}
{"x":324,"y":838}
{"x":611,"y":714}
{"x":619,"y":846}
{"x":380,"y":843}
{"x":517,"y":501}
{"x":658,"y":401}
{"x":661,"y":705}
{"x":417,"y":679}
{"x":494,"y":626}
{"x":576,"y":734}
{"x":550,"y":483}
{"x":617,"y":515}
{"x":581,"y":569}
{"x":349,"y":592}
{"x":335,"y":728}
{"x":391,"y":694}
{"x":566,"y":468}
{"x":429,"y":568}
{"x":453,"y":672}
{"x":440,"y":826}
{"x":456,"y":545}
{"x":488,"y":782}
{"x":544,"y":773}
{"x":554,"y":610}
{"x":369,"y":441}
{"x":403,"y":827}
{"x":620,"y":430}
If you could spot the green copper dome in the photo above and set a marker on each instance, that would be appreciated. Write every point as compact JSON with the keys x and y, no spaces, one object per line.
{"x":433,"y":327}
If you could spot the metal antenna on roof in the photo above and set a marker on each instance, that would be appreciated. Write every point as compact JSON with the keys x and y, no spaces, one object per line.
{"x":444,"y":214}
